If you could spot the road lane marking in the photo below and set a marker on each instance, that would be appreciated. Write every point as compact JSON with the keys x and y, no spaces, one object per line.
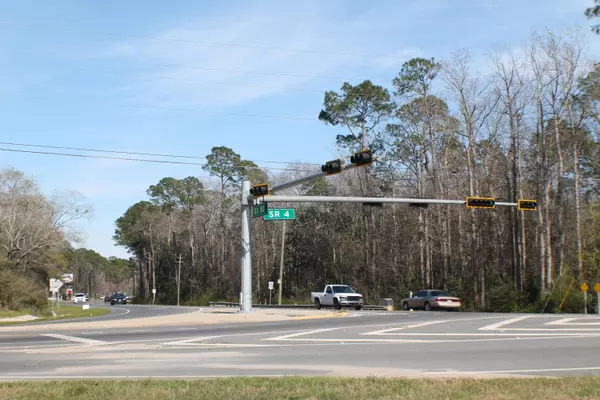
{"x":120,"y":377}
{"x":515,"y":371}
{"x":190,"y":341}
{"x":494,"y":339}
{"x":303,"y":333}
{"x":74,"y":339}
{"x":386,"y":331}
{"x":569,"y":321}
{"x":500,"y":324}
{"x":139,"y":330}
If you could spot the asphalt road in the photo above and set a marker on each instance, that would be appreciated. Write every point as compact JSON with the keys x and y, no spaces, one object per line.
{"x":364,"y":343}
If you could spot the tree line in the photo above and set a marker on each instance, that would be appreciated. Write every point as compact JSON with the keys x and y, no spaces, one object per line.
{"x":37,"y":234}
{"x":526,"y":127}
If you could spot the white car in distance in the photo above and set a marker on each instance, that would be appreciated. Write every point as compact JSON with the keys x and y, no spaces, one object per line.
{"x":80,"y":298}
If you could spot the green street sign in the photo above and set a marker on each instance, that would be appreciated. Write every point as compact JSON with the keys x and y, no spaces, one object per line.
{"x":275,"y":214}
{"x":259,"y":210}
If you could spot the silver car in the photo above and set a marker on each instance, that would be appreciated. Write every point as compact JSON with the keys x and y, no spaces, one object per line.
{"x":431,"y":299}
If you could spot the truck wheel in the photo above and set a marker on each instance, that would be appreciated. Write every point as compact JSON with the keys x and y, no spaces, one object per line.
{"x":358,"y":308}
{"x":317,"y":304}
{"x":336,"y":304}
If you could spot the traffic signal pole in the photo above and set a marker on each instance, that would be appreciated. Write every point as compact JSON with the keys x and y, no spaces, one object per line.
{"x":390,"y":200}
{"x":246,"y":295}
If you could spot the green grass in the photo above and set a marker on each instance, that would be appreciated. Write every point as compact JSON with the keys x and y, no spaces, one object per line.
{"x":307,"y":388}
{"x":65,"y":312}
{"x":10,"y":313}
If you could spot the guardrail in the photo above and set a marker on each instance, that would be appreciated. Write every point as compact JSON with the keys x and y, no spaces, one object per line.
{"x":302,"y":306}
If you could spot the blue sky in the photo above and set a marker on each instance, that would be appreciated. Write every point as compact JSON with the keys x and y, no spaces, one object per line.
{"x":96,"y":75}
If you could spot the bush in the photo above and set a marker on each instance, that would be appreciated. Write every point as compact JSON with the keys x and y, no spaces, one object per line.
{"x":20,"y":292}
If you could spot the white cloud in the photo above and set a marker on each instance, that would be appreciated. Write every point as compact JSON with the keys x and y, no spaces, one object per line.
{"x":308,"y":27}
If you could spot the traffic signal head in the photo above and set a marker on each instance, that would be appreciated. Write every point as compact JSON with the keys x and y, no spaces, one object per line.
{"x":332,"y":167}
{"x":262,"y":189}
{"x":364,"y":157}
{"x":480,"y":202}
{"x":527,"y":205}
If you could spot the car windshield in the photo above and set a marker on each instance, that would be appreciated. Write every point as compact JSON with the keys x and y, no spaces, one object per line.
{"x":342,"y":289}
{"x":79,"y":295}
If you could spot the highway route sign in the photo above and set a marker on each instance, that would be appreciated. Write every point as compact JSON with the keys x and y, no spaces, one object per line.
{"x":597,"y":287}
{"x":271,"y":285}
{"x":584,"y":287}
{"x":259,"y":210}
{"x":275,"y":214}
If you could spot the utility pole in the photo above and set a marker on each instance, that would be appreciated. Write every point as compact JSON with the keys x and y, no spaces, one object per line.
{"x":178,"y":278}
{"x":281,"y":261}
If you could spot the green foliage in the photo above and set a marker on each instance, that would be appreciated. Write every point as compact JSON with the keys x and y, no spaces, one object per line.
{"x":181,"y":194}
{"x":593,"y":12}
{"x":229,"y":168}
{"x":416,"y":76}
{"x":360,"y":108}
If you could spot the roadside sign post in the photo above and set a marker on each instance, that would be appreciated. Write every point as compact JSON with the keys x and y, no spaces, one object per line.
{"x":270,"y":291}
{"x":153,"y":295}
{"x":584,"y":288}
{"x":597,"y":290}
{"x":56,"y":285}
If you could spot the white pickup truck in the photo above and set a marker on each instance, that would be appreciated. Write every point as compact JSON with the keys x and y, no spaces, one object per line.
{"x":337,"y":296}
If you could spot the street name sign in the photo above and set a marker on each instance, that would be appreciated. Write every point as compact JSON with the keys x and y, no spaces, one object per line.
{"x":259,"y":210}
{"x":275,"y":214}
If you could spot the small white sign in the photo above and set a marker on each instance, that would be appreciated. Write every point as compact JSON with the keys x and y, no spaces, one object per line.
{"x":52,"y":289}
{"x":86,"y":306}
{"x":271,"y":285}
{"x":153,"y":291}
{"x":57,"y":284}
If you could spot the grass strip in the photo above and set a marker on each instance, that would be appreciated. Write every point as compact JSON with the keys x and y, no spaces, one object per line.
{"x":65,"y":312}
{"x":313,"y":388}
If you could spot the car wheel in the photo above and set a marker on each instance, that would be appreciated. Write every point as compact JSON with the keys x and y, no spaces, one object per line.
{"x":317,"y":304}
{"x":112,"y":303}
{"x":358,"y":308}
{"x":427,"y":306}
{"x":405,"y":306}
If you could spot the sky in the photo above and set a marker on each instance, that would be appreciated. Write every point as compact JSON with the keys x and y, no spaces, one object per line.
{"x":183,"y":76}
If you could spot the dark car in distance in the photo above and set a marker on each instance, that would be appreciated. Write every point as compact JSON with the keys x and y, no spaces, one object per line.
{"x":118,"y":298}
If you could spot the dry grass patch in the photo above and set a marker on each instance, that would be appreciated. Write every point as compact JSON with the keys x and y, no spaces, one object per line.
{"x":313,"y":388}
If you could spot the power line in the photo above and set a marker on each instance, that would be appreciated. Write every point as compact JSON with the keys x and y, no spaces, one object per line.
{"x":191,"y":41}
{"x":142,"y":153}
{"x":128,"y":159}
{"x":228,"y":70}
{"x":231,"y":114}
